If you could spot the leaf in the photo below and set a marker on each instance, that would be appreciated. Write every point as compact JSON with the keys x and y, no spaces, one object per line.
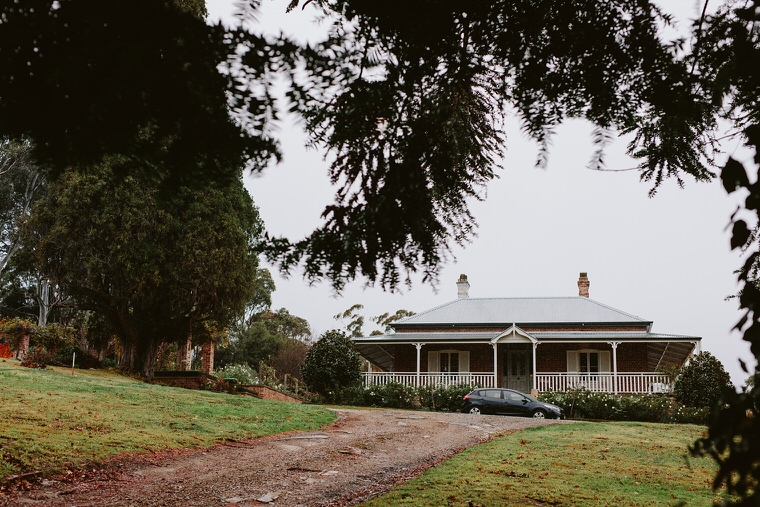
{"x":740,"y":234}
{"x":734,"y":176}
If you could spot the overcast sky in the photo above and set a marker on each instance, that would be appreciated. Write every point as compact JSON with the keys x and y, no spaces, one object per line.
{"x":666,"y":259}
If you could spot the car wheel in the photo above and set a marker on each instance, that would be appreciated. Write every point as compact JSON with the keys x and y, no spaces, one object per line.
{"x":539,"y":414}
{"x":475,"y":410}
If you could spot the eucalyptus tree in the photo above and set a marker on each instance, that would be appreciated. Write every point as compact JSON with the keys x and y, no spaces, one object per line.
{"x":22,"y":182}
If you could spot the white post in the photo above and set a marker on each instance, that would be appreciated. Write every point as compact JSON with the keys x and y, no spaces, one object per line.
{"x":418,"y":346}
{"x":533,"y":377}
{"x":614,"y":366}
{"x":495,"y":368}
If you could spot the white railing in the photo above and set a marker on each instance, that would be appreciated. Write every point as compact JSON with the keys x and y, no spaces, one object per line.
{"x":428,"y":379}
{"x":622,"y":383}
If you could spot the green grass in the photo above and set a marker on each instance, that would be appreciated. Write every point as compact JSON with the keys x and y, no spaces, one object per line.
{"x":51,"y":420}
{"x":584,"y":464}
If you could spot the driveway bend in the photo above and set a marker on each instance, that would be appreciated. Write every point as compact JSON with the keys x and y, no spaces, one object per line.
{"x":363,"y":454}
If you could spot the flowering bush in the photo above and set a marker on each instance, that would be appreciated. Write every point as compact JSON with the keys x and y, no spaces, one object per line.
{"x":391,"y":395}
{"x":444,"y":399}
{"x":584,"y":404}
{"x":240,"y":372}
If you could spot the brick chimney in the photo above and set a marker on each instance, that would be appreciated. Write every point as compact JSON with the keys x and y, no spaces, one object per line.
{"x":583,"y":285}
{"x":463,"y":287}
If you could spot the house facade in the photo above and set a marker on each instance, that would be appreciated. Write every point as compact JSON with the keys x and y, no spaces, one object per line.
{"x":528,"y":344}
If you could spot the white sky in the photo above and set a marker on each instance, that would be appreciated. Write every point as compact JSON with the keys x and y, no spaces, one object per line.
{"x":666,"y":259}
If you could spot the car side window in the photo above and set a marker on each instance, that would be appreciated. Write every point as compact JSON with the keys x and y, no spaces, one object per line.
{"x":514,"y":397}
{"x":492,"y":393}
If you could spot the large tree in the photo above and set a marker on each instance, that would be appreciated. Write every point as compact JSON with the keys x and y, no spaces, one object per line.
{"x":159,"y":268}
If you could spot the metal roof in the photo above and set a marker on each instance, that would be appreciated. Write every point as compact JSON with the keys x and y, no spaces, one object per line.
{"x":423,"y":337}
{"x":521,"y":311}
{"x":611,"y":335}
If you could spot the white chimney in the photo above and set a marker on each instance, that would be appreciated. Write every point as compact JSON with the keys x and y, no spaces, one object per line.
{"x":463,"y":287}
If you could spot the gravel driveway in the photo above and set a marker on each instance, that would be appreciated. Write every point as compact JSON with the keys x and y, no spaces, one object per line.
{"x":364,"y":453}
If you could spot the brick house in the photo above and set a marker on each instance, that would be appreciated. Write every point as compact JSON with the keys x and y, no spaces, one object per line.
{"x":527,"y":344}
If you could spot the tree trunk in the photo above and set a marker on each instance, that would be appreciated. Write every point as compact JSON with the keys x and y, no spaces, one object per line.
{"x":184,"y":353}
{"x":43,"y":300}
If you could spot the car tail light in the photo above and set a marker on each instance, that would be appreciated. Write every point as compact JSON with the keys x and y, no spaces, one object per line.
{"x":466,"y":396}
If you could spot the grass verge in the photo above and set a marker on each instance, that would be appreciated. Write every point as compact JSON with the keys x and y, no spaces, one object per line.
{"x":51,"y":420}
{"x":588,"y":464}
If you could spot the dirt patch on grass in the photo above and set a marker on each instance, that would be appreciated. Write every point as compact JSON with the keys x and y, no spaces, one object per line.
{"x":364,"y":453}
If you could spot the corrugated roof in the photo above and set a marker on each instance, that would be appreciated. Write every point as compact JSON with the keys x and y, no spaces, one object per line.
{"x":522,"y":311}
{"x":428,"y":337}
{"x":611,"y":335}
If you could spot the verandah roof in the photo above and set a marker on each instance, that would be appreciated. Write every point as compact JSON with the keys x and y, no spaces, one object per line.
{"x":661,"y":348}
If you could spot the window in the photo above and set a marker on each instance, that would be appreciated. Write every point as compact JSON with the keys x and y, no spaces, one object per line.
{"x":588,"y":361}
{"x":449,"y":361}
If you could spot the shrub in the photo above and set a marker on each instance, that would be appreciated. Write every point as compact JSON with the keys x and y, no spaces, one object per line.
{"x":331,"y":365}
{"x":37,"y":357}
{"x":702,"y":382}
{"x":391,"y":395}
{"x":242,"y":373}
{"x":444,"y":399}
{"x":584,"y":404}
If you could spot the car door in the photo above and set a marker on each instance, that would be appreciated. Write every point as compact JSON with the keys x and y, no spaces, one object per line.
{"x":492,"y":401}
{"x":515,"y":403}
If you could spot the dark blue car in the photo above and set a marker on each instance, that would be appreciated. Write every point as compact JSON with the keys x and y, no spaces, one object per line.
{"x":508,"y":402}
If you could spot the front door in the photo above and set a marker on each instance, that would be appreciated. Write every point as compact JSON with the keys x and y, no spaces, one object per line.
{"x":516,"y":369}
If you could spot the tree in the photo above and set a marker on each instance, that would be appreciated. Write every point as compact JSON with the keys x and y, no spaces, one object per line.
{"x":65,"y":62}
{"x":157,"y":268}
{"x":355,"y":326}
{"x":356,"y":320}
{"x":415,"y":94}
{"x":22,"y":183}
{"x":726,"y":53}
{"x":331,"y":365}
{"x":386,"y":320}
{"x":250,"y":344}
{"x":275,"y":338}
{"x":702,"y":381}
{"x":410,"y":113}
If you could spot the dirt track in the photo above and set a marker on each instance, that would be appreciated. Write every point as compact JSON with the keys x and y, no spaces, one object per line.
{"x":364,"y":453}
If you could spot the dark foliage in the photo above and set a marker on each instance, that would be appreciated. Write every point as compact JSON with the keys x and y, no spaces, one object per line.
{"x":408,"y":98}
{"x":331,"y":365}
{"x":731,"y":42}
{"x":702,"y":382}
{"x":411,"y":102}
{"x":82,"y":82}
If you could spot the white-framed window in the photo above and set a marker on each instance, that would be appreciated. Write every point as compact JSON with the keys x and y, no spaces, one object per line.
{"x":449,"y":361}
{"x":588,"y":361}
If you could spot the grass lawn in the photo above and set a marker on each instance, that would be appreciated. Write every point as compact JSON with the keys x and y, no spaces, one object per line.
{"x":51,"y":420}
{"x":584,"y":464}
